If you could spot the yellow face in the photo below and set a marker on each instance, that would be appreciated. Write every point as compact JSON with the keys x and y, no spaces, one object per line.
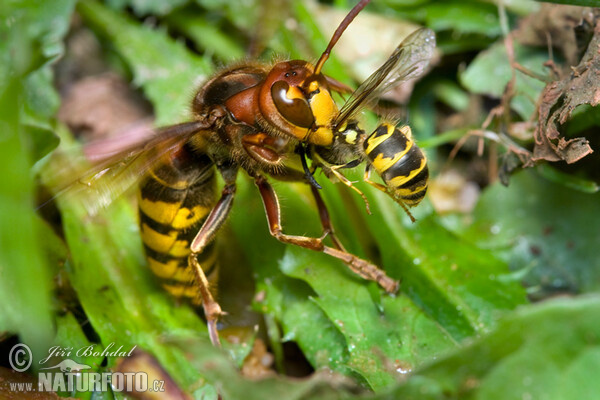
{"x":303,"y":103}
{"x":324,"y":111}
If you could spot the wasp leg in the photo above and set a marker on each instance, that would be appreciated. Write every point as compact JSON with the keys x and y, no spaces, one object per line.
{"x":325,"y":220}
{"x":346,"y":181}
{"x":384,"y":189}
{"x":361,"y":267}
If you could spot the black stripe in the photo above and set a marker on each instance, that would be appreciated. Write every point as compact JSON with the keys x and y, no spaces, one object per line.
{"x":395,"y":144}
{"x":416,"y":197}
{"x":410,"y":162}
{"x":202,"y":192}
{"x":164,"y":258}
{"x":174,"y":282}
{"x":190,"y":163}
{"x":380,"y":131}
{"x":156,"y":226}
{"x":418,"y":180}
{"x":153,"y":190}
{"x":191,"y":231}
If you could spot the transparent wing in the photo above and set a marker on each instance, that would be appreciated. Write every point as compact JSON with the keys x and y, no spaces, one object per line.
{"x":116,"y":165}
{"x":408,"y":61}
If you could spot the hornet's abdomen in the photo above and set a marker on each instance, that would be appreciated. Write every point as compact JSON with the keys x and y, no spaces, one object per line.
{"x":401,"y":164}
{"x":174,"y":200}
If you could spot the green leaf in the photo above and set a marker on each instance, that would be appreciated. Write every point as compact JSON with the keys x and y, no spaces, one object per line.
{"x":567,"y":180}
{"x":70,"y":342}
{"x":582,"y":3}
{"x":462,"y":287}
{"x":454,"y":291}
{"x":383,"y":341}
{"x":451,"y":94}
{"x":543,"y":351}
{"x":463,"y":17}
{"x":25,"y":283}
{"x":31,"y":34}
{"x":162,"y":67}
{"x":231,"y":385}
{"x":286,"y":299}
{"x":584,"y":117}
{"x":207,"y":36}
{"x":493,"y":62}
{"x":145,"y":7}
{"x":243,"y":14}
{"x":546,"y":230}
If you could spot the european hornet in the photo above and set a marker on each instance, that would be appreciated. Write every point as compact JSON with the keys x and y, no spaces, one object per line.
{"x":267,"y":120}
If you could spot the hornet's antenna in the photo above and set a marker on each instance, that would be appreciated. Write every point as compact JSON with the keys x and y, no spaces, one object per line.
{"x":338,"y":33}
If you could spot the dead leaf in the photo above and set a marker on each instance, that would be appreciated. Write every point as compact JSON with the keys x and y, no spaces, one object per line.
{"x":560,"y":98}
{"x":9,"y":379}
{"x":102,"y":106}
{"x":553,"y":25}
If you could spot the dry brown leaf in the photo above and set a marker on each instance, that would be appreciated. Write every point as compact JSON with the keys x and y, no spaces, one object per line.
{"x":8,"y":377}
{"x":560,"y":98}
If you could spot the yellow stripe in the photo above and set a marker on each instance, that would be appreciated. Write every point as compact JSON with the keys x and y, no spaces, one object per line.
{"x":383,"y":164}
{"x":398,"y":181}
{"x":158,"y":241}
{"x":190,"y":288}
{"x":409,"y":192}
{"x":172,"y":213}
{"x":182,"y":290}
{"x":376,"y":141}
{"x":181,"y":248}
{"x":411,"y":203}
{"x":172,"y":269}
{"x":166,"y":244}
{"x":186,"y":217}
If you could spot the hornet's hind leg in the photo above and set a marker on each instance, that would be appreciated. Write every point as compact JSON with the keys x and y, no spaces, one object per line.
{"x":215,"y":219}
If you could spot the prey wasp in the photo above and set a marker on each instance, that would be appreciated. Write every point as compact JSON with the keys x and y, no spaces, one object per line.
{"x":266,"y":119}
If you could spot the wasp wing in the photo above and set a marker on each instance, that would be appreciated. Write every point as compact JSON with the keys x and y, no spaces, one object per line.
{"x":408,"y":61}
{"x":114,"y":169}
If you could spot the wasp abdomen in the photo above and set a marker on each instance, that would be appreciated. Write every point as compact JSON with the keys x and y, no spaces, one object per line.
{"x":174,"y":200}
{"x":401,"y":164}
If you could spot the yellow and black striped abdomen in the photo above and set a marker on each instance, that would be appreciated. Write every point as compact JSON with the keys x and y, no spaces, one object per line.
{"x":174,"y":200}
{"x":401,"y":164}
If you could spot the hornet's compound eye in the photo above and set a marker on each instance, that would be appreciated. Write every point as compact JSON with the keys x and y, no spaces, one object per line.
{"x":292,"y":105}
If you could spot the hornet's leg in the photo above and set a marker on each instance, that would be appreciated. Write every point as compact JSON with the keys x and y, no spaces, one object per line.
{"x":215,"y":219}
{"x":358,"y":265}
{"x":325,"y":220}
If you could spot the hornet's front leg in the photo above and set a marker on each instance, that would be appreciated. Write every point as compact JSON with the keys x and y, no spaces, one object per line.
{"x":361,"y":267}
